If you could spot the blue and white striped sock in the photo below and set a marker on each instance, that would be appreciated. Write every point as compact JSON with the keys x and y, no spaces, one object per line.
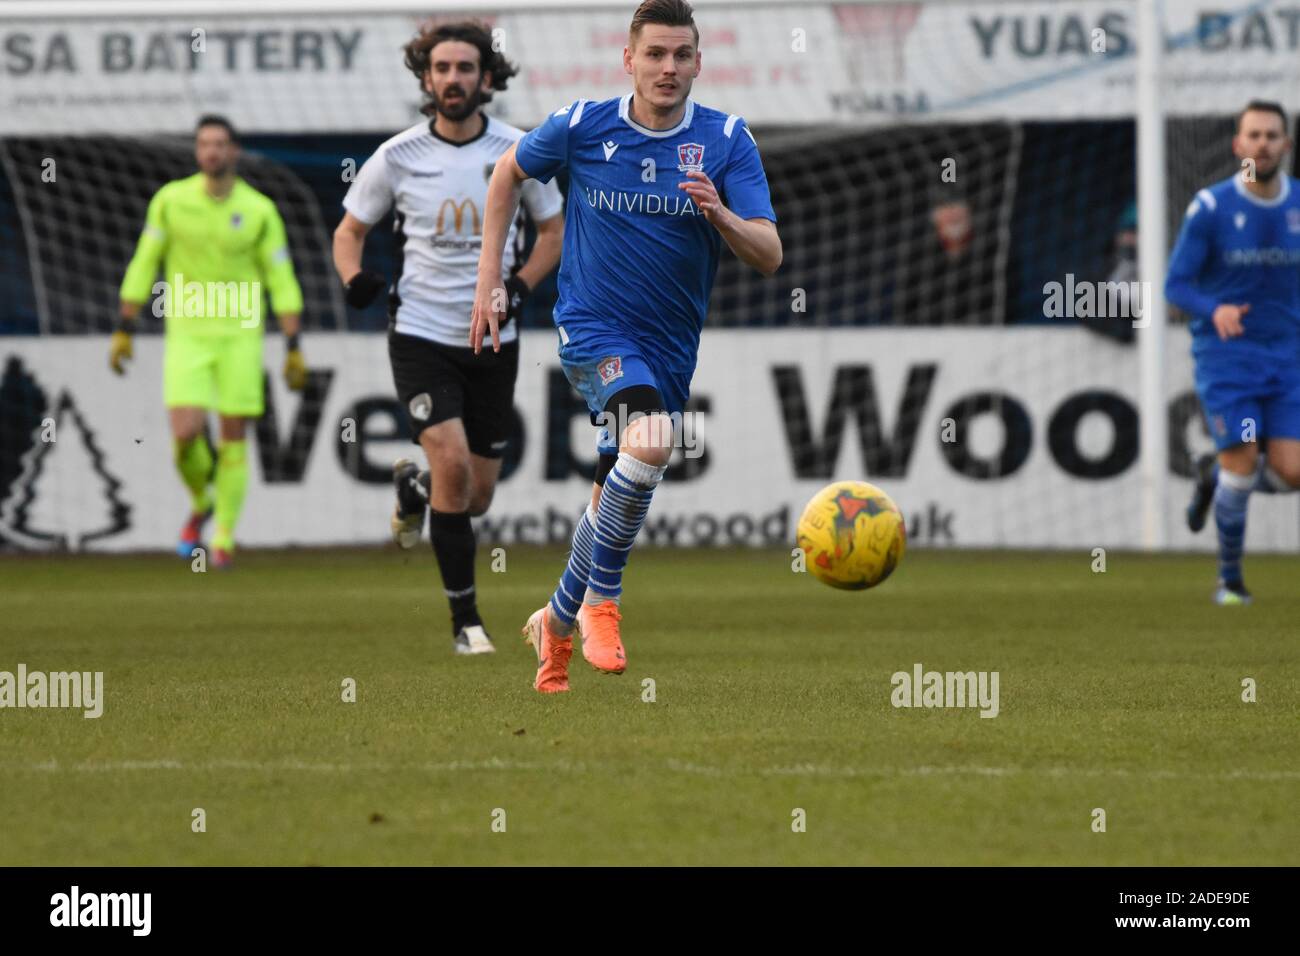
{"x":1230,"y":498}
{"x":624,"y":503}
{"x":573,"y":582}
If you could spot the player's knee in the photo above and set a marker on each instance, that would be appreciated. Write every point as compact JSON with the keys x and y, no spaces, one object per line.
{"x":452,"y":483}
{"x":450,"y":480}
{"x":649,"y":439}
{"x":187,"y":432}
{"x":480,"y":500}
{"x":1288,"y":471}
{"x":1241,"y":459}
{"x":445,"y":448}
{"x":182,"y":446}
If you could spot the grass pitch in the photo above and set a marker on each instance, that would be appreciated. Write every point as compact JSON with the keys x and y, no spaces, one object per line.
{"x":1120,"y":691}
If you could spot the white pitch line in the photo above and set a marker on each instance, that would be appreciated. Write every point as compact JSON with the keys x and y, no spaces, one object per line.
{"x":675,"y":766}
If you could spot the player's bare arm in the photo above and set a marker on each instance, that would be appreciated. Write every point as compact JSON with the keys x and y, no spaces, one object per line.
{"x":359,"y":286}
{"x":755,"y":241}
{"x":349,"y":238}
{"x":499,"y":211}
{"x":546,"y":251}
{"x":290,"y":323}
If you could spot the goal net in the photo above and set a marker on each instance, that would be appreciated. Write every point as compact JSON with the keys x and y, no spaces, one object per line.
{"x":82,"y":202}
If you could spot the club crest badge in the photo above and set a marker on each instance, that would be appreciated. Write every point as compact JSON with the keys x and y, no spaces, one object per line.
{"x":1293,"y":220}
{"x":610,"y":369}
{"x":236,"y":220}
{"x":690,"y":158}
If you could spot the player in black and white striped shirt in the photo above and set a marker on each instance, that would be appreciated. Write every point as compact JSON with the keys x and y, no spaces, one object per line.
{"x":435,"y":176}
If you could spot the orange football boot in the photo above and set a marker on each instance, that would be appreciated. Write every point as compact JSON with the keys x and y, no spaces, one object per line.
{"x":553,"y":653}
{"x":601,"y":645}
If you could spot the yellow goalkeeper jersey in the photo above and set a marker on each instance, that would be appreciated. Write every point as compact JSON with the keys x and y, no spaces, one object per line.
{"x":220,"y":258}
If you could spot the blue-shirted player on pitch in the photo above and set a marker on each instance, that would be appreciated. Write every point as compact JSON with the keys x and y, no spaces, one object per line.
{"x":1236,"y":272}
{"x":657,"y":184}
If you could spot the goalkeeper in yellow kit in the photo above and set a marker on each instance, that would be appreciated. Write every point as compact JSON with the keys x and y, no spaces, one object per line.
{"x":221,"y":244}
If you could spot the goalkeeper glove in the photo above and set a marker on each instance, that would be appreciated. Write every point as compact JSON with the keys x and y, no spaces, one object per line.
{"x":516,"y":291}
{"x":362,"y":288}
{"x":295,"y":366}
{"x":119,"y":348}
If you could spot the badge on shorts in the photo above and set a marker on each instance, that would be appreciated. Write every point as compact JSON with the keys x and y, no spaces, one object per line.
{"x":421,"y":406}
{"x":610,"y":369}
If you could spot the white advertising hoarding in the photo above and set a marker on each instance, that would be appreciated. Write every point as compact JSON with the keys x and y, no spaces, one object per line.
{"x":989,"y":437}
{"x":774,"y":64}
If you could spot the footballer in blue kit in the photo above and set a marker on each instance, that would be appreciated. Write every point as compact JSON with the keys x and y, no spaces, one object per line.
{"x":1235,"y":271}
{"x":658,"y":184}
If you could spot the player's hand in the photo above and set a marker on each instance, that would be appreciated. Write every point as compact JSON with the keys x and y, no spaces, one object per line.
{"x":705,"y":196}
{"x":119,"y":349}
{"x":1227,"y":320}
{"x":516,"y":292}
{"x":362,"y":288}
{"x":295,"y":370}
{"x":490,"y":304}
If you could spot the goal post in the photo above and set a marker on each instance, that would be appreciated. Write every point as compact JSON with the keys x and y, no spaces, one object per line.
{"x":1152,"y":191}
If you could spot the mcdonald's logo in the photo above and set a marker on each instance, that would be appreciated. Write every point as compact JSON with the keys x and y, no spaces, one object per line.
{"x":458,"y":217}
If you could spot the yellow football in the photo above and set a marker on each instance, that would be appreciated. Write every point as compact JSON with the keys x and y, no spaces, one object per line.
{"x":852,"y":535}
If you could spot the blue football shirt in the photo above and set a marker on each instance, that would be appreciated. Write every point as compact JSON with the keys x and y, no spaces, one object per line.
{"x":639,"y":257}
{"x":1237,"y":248}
